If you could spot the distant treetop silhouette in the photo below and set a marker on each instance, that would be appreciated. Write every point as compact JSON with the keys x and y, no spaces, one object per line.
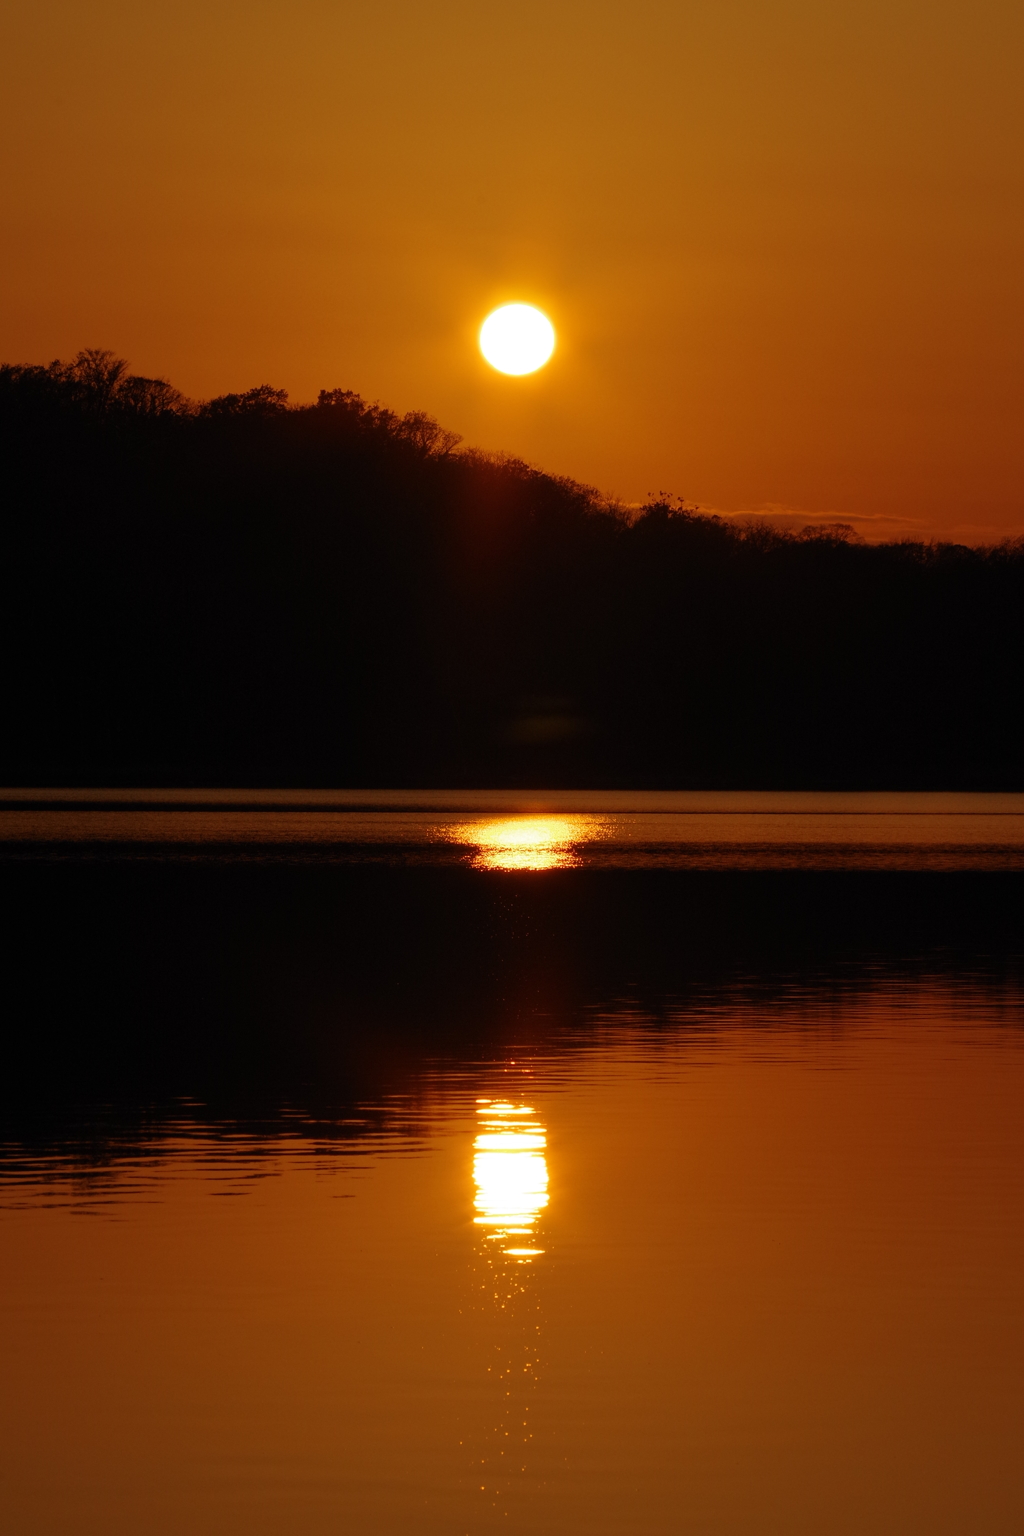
{"x":247,"y":590}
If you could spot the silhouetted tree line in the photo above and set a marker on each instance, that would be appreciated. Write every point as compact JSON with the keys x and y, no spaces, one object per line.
{"x":240,"y":590}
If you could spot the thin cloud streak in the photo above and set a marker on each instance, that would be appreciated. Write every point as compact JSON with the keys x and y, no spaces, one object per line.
{"x":873,"y":527}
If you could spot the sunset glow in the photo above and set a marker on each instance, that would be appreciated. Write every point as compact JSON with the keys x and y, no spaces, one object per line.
{"x":517,"y":339}
{"x":799,"y":296}
{"x":512,"y":818}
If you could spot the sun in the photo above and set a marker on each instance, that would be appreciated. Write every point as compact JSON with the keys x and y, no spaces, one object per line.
{"x":517,"y":339}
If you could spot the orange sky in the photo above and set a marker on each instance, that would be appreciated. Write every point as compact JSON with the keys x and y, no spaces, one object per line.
{"x":781,"y":240}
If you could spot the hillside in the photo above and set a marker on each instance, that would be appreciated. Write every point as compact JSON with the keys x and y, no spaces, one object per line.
{"x":243,"y":591}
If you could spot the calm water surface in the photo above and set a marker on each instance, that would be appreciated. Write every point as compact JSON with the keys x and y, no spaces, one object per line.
{"x":510,"y":1196}
{"x":498,"y":829}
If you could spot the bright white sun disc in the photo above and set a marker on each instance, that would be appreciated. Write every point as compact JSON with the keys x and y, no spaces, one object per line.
{"x":517,"y":338}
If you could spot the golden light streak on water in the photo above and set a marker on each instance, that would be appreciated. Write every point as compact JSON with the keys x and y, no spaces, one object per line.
{"x":510,"y":1173}
{"x":528,"y":842}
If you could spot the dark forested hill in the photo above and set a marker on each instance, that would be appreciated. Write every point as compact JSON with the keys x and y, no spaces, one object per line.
{"x":241,"y":591}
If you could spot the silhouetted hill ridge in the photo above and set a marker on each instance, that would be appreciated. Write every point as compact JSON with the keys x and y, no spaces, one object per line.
{"x":244,"y":591}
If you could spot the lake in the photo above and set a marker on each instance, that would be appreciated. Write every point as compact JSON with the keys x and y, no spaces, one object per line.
{"x":469,"y":1162}
{"x":498,"y":829}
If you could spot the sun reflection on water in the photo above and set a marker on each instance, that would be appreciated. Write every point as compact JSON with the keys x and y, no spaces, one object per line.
{"x":527,"y":842}
{"x":510,"y":1176}
{"x":510,"y":1172}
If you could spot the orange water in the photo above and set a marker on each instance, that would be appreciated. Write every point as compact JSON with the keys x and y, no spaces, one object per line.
{"x":758,"y":1269}
{"x":527,"y":830}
